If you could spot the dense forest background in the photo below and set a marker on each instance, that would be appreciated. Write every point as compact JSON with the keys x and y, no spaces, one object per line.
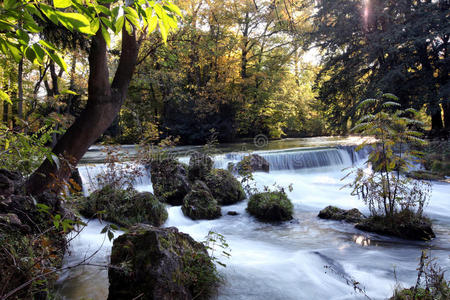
{"x":290,"y":68}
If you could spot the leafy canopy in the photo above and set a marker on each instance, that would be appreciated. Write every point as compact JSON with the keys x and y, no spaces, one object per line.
{"x":19,"y":24}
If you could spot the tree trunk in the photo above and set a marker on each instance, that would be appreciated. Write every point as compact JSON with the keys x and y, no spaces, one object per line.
{"x":436,"y":120}
{"x":446,"y":107}
{"x":20,"y":90}
{"x":104,"y":102}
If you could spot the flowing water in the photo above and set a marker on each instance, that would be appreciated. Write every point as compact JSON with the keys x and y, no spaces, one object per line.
{"x":307,"y":258}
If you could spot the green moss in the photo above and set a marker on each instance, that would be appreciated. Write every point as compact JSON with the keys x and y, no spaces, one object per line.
{"x":425,"y":175}
{"x":270,"y":206}
{"x":124,"y":207}
{"x":404,"y":224}
{"x":200,"y":204}
{"x":225,"y":188}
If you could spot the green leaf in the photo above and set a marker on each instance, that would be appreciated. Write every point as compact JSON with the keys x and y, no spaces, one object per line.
{"x":23,"y":37}
{"x":75,"y":21}
{"x":106,"y":36}
{"x":107,"y":22}
{"x":30,"y":55}
{"x":10,"y":4}
{"x":14,"y":50}
{"x":172,"y":7}
{"x":128,"y":27}
{"x":103,"y":9}
{"x":69,"y":92}
{"x":49,"y":12}
{"x":48,"y":45}
{"x":40,"y":53}
{"x":95,"y":24}
{"x":62,"y":3}
{"x":5,"y":97}
{"x":163,"y":30}
{"x":152,"y":24}
{"x":110,"y":235}
{"x":119,"y":24}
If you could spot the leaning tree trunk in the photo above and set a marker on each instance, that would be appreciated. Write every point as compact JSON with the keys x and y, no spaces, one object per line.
{"x":103,"y":105}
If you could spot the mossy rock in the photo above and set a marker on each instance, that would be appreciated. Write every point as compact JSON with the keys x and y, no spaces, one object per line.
{"x":200,"y":164}
{"x":199,"y":203}
{"x":225,"y":188}
{"x":403,"y":225}
{"x":335,"y":213}
{"x":425,"y":175}
{"x":160,"y":264}
{"x":422,"y":293}
{"x":124,"y":207}
{"x":253,"y":163}
{"x":169,"y":179}
{"x":270,"y":206}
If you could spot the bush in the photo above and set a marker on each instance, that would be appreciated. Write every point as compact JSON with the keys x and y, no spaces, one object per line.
{"x":384,"y":189}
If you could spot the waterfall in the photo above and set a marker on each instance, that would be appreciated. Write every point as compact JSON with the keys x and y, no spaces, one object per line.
{"x":301,"y":158}
{"x":279,"y":160}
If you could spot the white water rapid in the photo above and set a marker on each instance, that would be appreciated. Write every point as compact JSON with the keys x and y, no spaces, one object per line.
{"x":307,"y":258}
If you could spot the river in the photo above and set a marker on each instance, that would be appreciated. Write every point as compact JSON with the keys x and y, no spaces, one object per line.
{"x":307,"y":258}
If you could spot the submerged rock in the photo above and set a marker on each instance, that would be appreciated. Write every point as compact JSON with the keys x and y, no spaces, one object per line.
{"x":199,"y":203}
{"x":225,"y":188}
{"x":160,"y":264}
{"x":169,"y":179}
{"x":232,"y":213}
{"x":124,"y":207}
{"x":253,"y":163}
{"x":335,"y":213}
{"x":200,"y":164}
{"x":270,"y":206}
{"x":401,"y":226}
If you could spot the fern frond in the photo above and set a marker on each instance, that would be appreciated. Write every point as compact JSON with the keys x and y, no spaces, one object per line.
{"x":390,"y":96}
{"x":367,"y":102}
{"x":390,"y":104}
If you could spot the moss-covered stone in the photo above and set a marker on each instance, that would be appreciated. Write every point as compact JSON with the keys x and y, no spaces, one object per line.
{"x":425,"y":175}
{"x":160,"y":264}
{"x":199,"y":203}
{"x":124,"y":207}
{"x":253,"y":163}
{"x":335,"y":213}
{"x":200,"y":164}
{"x":270,"y":206}
{"x":421,"y":294}
{"x":404,"y":225}
{"x":169,"y":179}
{"x":225,"y":188}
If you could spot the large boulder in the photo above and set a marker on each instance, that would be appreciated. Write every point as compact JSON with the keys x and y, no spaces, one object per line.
{"x":253,"y":163}
{"x":225,"y":188}
{"x":200,"y":164}
{"x":169,"y":179}
{"x":335,"y":213}
{"x":270,"y":206}
{"x":403,"y":225}
{"x":161,"y":264}
{"x":199,"y":203}
{"x":124,"y":207}
{"x":9,"y":182}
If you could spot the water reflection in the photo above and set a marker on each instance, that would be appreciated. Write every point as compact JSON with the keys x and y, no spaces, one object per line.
{"x":361,"y":240}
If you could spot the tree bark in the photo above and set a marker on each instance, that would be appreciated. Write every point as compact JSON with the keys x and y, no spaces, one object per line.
{"x":436,"y":120}
{"x":20,"y":89}
{"x":104,"y":102}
